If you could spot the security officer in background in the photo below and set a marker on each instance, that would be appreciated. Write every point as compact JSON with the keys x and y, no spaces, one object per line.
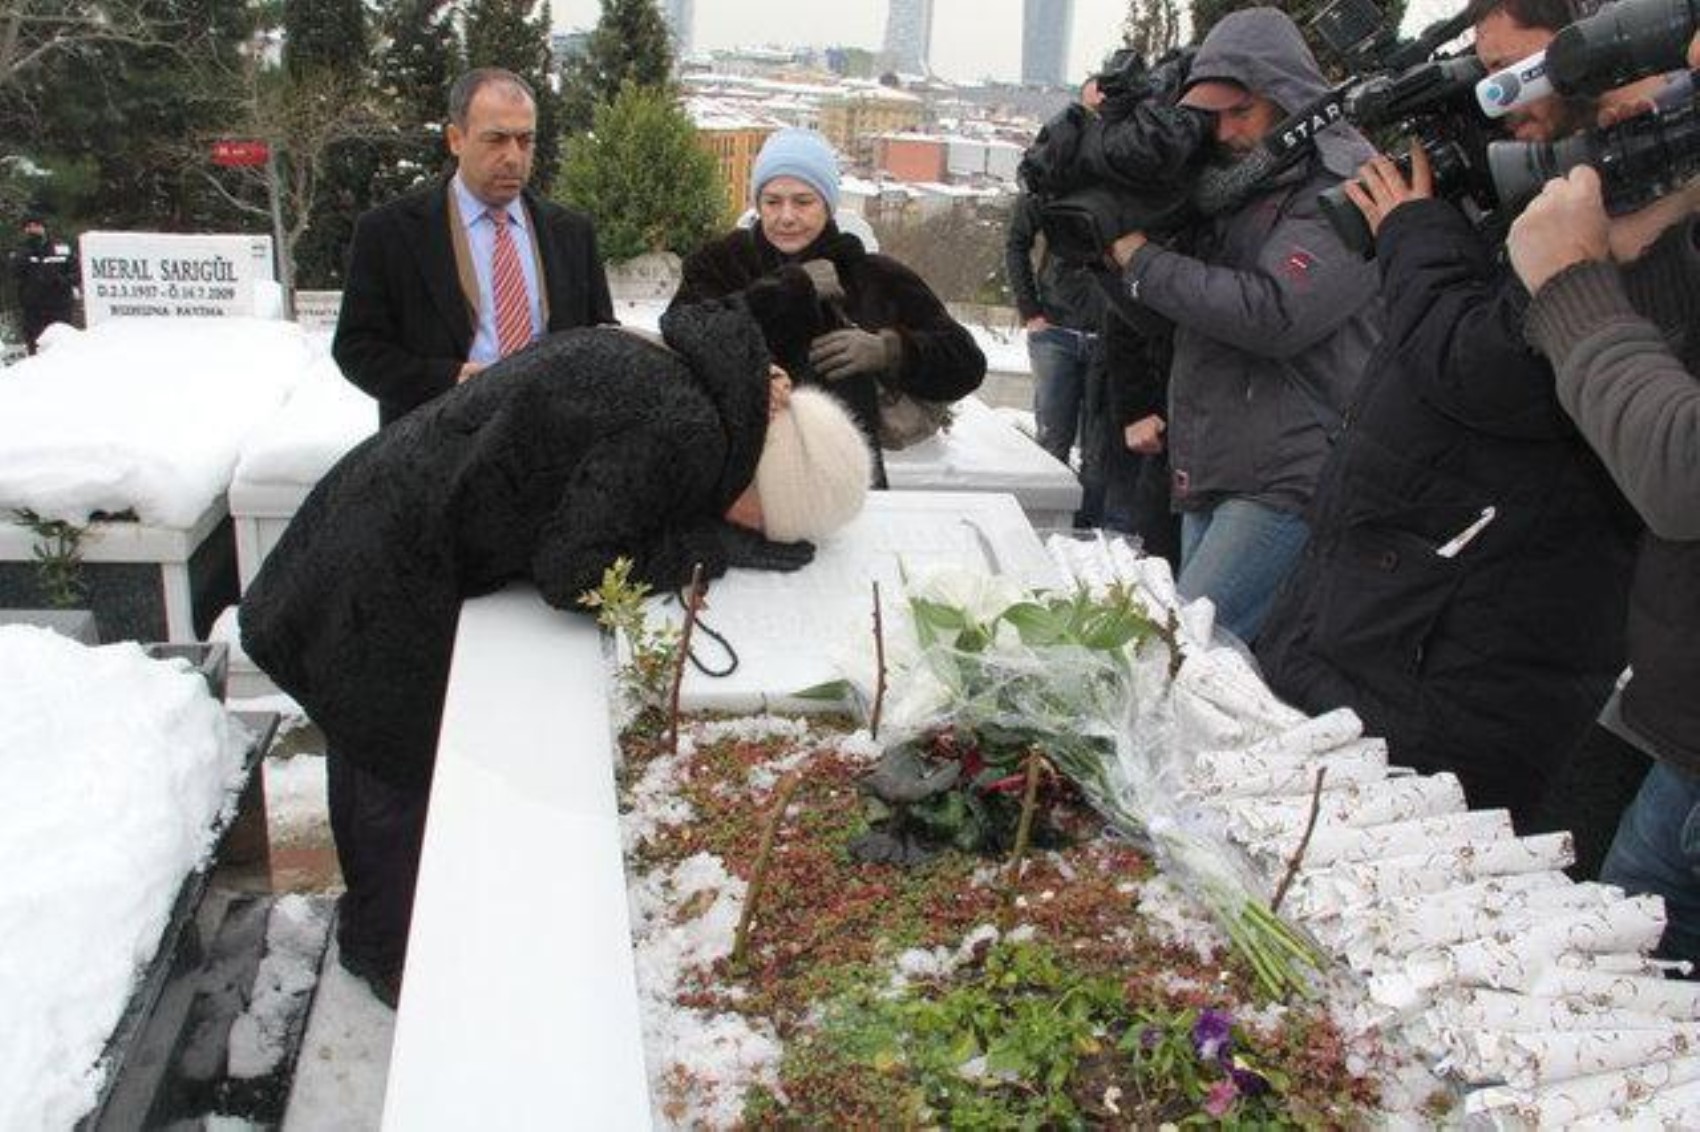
{"x":45,"y":274}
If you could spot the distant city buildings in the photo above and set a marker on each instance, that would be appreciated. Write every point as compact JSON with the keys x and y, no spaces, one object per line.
{"x":907,"y":154}
{"x":1045,"y":31}
{"x":908,"y":36}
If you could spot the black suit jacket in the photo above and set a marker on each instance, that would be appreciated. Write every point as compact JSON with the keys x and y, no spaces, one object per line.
{"x":404,"y":330}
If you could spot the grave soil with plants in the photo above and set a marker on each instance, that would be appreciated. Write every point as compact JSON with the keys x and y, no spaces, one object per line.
{"x":1073,"y":987}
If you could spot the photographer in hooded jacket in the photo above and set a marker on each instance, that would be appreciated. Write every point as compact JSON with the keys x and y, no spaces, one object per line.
{"x":1614,"y":305}
{"x":1274,"y":319}
{"x":1464,"y":586}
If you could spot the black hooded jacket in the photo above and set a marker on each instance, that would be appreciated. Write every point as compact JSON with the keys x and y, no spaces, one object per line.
{"x":1489,"y":658}
{"x":940,"y":359}
{"x":591,"y":445}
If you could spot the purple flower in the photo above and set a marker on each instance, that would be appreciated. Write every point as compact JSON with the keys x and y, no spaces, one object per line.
{"x":1212,"y":1034}
{"x":1150,"y":1037}
{"x":1220,"y":1099}
{"x":1249,"y":1082}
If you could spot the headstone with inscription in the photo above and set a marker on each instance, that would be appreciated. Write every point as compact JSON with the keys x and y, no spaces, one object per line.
{"x":161,"y":275}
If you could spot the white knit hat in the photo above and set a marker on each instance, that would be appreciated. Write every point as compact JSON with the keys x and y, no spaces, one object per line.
{"x":814,"y":468}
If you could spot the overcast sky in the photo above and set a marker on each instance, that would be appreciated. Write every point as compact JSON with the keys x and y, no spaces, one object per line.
{"x":972,"y":39}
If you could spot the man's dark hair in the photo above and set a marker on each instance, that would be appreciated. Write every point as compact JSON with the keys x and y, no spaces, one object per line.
{"x":1548,"y":14}
{"x":468,"y":85}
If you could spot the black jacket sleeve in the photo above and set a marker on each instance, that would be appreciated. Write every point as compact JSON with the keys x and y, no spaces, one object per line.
{"x":1018,"y":258}
{"x":1455,"y":320}
{"x":623,"y":501}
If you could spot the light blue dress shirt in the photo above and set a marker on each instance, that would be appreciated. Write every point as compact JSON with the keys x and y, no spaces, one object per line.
{"x":481,"y":241}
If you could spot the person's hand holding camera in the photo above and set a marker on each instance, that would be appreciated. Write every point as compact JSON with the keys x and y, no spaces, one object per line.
{"x":1380,"y":188}
{"x":1562,"y":227}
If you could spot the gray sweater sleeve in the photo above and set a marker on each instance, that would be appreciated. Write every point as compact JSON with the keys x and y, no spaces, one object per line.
{"x":1634,"y":400}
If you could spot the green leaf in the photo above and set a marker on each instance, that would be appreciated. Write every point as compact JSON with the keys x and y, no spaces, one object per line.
{"x":832,"y":691}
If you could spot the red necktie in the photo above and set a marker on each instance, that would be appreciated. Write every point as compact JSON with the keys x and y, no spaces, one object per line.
{"x":513,"y":307}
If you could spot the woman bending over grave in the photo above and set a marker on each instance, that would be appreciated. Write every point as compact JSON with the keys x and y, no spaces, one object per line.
{"x":874,"y":330}
{"x":592,"y":445}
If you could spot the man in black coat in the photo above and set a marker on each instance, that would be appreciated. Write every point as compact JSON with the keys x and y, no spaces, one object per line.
{"x":1465,"y":585}
{"x":421,"y":307}
{"x":591,"y":446}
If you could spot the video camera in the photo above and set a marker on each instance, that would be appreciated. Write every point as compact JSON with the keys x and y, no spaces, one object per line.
{"x":1417,"y":89}
{"x":1639,"y":160}
{"x":1139,"y":163}
{"x":1127,"y":167}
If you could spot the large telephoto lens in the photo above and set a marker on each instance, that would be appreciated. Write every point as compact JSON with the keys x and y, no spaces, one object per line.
{"x":1639,"y":160}
{"x":1620,"y":43}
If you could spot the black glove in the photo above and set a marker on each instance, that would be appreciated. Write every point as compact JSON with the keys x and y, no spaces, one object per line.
{"x":823,"y":273}
{"x":847,"y":353}
{"x":748,"y":548}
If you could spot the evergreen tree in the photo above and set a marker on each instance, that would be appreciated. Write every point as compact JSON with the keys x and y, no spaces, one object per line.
{"x":324,"y":34}
{"x":1152,"y":27}
{"x":120,"y":120}
{"x":502,"y":33}
{"x":418,"y":61}
{"x":1205,"y":13}
{"x":629,"y":44}
{"x":641,"y":173}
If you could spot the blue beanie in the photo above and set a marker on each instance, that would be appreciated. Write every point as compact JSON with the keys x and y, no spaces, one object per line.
{"x":802,"y":154}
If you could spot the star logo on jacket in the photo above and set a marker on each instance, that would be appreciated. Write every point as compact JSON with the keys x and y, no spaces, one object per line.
{"x":1297,"y":265}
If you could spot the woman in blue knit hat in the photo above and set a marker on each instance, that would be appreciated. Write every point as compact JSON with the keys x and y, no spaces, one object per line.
{"x":877,"y":325}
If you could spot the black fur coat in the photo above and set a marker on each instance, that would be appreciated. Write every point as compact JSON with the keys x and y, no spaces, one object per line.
{"x":590,"y":445}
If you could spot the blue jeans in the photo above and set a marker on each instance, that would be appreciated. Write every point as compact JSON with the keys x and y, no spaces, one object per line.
{"x":1060,"y":358}
{"x":1236,"y":554}
{"x":1657,"y":850}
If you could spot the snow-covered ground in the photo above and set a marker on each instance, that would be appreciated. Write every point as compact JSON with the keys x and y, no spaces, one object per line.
{"x":114,"y":769}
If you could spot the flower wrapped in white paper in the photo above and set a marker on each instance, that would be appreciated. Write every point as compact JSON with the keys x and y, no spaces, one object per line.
{"x":1563,"y":1104}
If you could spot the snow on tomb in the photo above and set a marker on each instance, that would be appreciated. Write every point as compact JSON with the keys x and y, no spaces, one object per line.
{"x":791,"y":632}
{"x":132,"y":429}
{"x":520,"y":992}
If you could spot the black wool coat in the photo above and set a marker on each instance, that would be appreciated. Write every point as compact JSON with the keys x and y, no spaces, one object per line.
{"x":940,"y":359}
{"x":1490,"y":662}
{"x":591,"y":445}
{"x":405,"y":329}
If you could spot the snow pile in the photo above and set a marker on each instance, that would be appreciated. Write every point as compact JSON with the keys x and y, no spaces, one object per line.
{"x":114,"y":768}
{"x":325,"y":417}
{"x":141,"y":414}
{"x":295,"y":938}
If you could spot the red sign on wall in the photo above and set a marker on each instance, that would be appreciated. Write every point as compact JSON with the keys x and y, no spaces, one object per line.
{"x":234,"y":153}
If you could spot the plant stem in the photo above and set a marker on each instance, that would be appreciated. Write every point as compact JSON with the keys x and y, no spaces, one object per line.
{"x":1024,"y":830}
{"x":758,"y":874}
{"x":1304,"y":843}
{"x":692,"y":602}
{"x":879,"y":667}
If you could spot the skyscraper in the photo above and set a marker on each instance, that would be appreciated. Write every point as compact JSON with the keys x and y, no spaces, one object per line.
{"x":679,"y":15}
{"x":908,"y":36}
{"x":1045,"y":28}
